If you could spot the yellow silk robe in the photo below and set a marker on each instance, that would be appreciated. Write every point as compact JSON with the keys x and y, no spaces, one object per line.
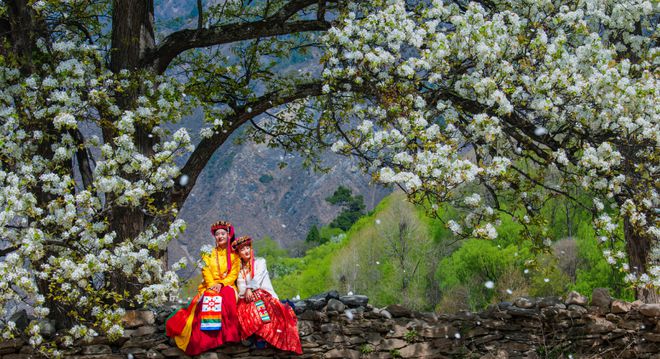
{"x":212,"y":274}
{"x":215,"y":268}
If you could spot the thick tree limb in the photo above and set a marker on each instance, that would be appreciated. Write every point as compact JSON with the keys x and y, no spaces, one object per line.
{"x":23,"y":31}
{"x":183,"y":40}
{"x":84,"y":159}
{"x":275,"y":25}
{"x":293,"y":7}
{"x":5,"y":251}
{"x":200,"y":15}
{"x":207,"y":147}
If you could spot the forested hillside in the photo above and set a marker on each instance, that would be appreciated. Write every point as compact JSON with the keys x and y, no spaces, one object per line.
{"x":396,"y":254}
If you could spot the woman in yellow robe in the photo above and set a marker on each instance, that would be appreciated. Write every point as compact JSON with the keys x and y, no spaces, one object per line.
{"x":195,"y":328}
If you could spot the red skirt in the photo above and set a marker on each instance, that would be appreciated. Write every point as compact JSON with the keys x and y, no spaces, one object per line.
{"x":282,"y":330}
{"x":203,"y":340}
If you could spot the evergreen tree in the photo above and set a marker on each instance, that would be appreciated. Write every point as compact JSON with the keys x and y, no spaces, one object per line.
{"x":313,"y":236}
{"x":353,"y":207}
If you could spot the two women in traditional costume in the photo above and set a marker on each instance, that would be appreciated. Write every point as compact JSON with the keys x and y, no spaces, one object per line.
{"x":210,"y":319}
{"x":214,"y":318}
{"x":260,"y":313}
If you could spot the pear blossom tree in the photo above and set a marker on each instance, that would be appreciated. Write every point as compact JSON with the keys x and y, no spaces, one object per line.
{"x":94,"y":161}
{"x":549,"y":96}
{"x":472,"y":102}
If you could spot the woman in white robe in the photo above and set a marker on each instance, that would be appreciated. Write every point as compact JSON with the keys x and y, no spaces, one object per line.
{"x":259,"y":310}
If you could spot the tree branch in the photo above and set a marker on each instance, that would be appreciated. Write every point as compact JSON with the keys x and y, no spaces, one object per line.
{"x":5,"y":251}
{"x":516,"y":121}
{"x":275,"y":25}
{"x":200,"y":15}
{"x":84,"y":159}
{"x":207,"y":147}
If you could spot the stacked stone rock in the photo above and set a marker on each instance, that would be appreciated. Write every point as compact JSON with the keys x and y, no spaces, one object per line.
{"x":334,"y":326}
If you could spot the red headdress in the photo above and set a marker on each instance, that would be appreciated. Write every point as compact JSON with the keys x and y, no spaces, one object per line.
{"x":242,"y":242}
{"x":227,"y":226}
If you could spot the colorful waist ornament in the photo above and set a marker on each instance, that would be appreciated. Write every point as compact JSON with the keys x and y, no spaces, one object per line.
{"x":261,"y":309}
{"x":211,"y":313}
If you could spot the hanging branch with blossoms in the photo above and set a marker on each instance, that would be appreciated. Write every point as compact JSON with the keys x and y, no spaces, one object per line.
{"x":530,"y":89}
{"x":470,"y":103}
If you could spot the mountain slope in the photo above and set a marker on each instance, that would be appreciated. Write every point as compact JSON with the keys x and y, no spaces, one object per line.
{"x":243,"y":184}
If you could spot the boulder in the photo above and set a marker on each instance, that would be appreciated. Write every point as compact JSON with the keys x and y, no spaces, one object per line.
{"x":10,"y":346}
{"x":335,"y":305}
{"x":600,"y":325}
{"x":620,"y":307}
{"x":138,"y":318}
{"x":577,"y":308}
{"x":524,"y":303}
{"x":650,"y":310}
{"x":316,"y":303}
{"x":333,"y":294}
{"x":576,"y":298}
{"x":601,"y":298}
{"x":398,"y":311}
{"x":550,"y":302}
{"x":96,"y":349}
{"x":342,"y":353}
{"x":354,"y":301}
{"x":390,"y":344}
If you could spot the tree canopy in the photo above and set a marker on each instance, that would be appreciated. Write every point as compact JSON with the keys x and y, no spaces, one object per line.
{"x":521,"y":99}
{"x":352,"y":207}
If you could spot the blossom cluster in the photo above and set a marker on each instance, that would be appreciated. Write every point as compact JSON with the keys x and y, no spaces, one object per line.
{"x":449,"y":98}
{"x":62,"y":250}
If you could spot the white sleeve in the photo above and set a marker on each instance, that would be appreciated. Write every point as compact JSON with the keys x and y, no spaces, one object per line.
{"x":260,"y":273}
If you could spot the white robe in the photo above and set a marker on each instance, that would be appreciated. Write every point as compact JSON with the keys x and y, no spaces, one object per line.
{"x":261,"y":279}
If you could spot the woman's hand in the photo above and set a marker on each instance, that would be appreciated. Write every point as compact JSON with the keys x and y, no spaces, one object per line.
{"x":216,"y":287}
{"x":249,"y":295}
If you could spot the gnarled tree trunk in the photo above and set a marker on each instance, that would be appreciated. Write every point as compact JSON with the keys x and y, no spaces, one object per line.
{"x":638,"y":247}
{"x":132,"y":36}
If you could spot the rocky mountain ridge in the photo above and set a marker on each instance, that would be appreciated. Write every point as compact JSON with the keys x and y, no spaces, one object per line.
{"x":243,"y":184}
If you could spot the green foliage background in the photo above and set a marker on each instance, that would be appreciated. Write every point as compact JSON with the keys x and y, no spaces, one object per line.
{"x":445,"y":274}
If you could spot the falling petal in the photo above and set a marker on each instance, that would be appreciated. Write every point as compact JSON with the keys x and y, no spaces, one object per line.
{"x":348,"y":314}
{"x":540,"y":131}
{"x":183,"y":180}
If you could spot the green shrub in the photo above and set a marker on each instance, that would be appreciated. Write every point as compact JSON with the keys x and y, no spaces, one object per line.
{"x":474,"y":266}
{"x":593,"y":271}
{"x":411,"y":336}
{"x":366,"y":349}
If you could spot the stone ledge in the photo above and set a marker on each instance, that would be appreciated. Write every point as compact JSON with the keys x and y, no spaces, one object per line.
{"x":526,"y":327}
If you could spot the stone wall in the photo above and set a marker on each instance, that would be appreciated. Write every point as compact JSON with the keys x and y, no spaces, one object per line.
{"x":333,"y":326}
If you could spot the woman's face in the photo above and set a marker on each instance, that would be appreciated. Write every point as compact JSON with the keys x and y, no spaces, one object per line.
{"x":245,"y":252}
{"x":221,"y":237}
